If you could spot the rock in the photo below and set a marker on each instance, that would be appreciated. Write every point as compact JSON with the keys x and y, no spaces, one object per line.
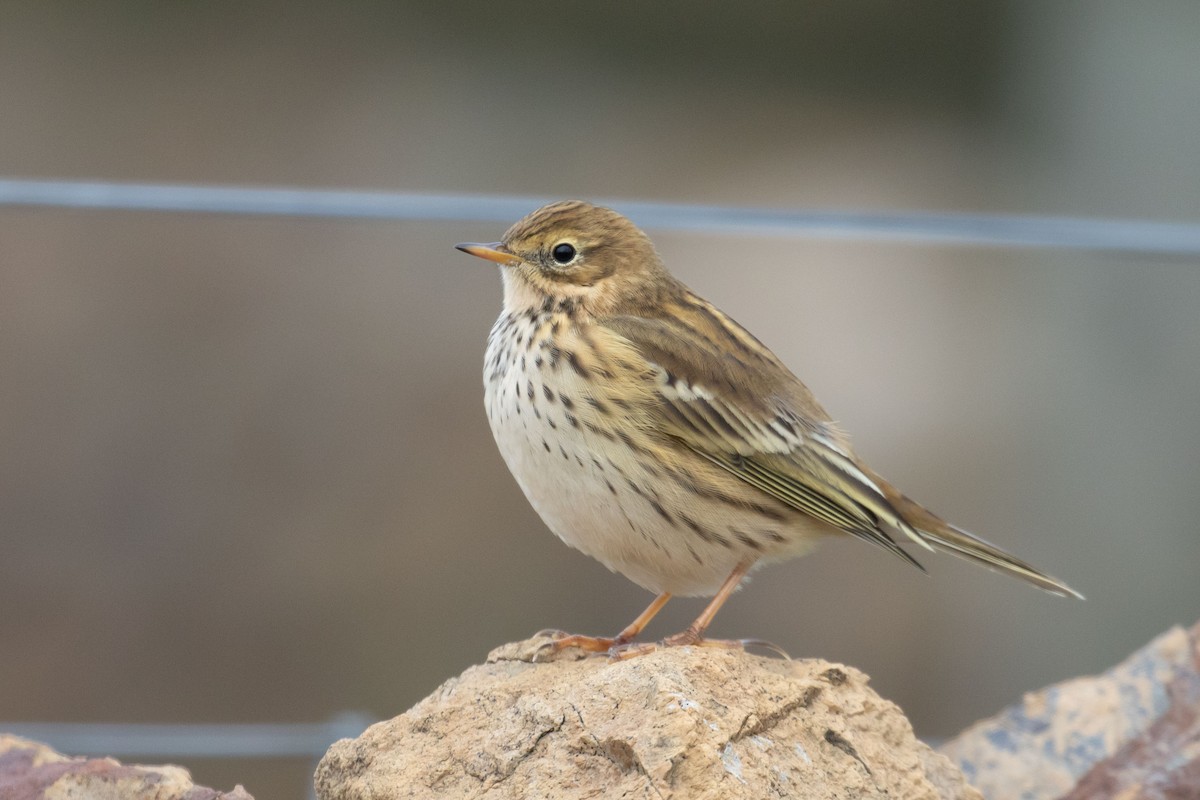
{"x":1131,"y":733}
{"x":29,"y":771}
{"x":692,"y":723}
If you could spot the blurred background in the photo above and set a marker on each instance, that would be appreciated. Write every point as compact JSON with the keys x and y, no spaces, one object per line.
{"x":245,"y":474}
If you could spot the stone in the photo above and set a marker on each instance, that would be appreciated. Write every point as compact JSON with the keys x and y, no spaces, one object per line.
{"x":686,"y":722}
{"x":1132,"y":733}
{"x":30,"y":770}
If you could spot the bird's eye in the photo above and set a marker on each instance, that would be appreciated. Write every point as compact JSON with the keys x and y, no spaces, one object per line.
{"x":563,"y":252}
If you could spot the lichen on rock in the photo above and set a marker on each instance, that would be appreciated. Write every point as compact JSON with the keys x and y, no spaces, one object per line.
{"x":1131,"y":733}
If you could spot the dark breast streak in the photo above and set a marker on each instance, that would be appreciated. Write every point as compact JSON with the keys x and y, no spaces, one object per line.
{"x":554,"y":385}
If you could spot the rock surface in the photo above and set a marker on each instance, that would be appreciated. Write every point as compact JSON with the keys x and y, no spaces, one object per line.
{"x":1132,"y":733}
{"x":32,"y":771}
{"x":693,"y":723}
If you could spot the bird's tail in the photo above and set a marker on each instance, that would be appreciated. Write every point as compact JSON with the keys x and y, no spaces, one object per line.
{"x":960,"y":543}
{"x":944,"y":536}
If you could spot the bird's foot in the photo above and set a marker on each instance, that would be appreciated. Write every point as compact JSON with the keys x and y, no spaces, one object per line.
{"x":559,"y":641}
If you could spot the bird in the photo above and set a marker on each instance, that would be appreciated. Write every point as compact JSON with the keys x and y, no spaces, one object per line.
{"x":652,"y":432}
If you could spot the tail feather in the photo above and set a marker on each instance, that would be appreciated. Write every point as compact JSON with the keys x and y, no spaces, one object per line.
{"x":944,"y":536}
{"x":960,"y":543}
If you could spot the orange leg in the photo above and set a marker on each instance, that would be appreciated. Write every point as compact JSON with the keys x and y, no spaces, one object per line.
{"x":695,"y":632}
{"x":601,"y":644}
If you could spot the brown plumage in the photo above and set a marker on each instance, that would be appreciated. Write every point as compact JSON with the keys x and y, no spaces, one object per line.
{"x":656,"y":434}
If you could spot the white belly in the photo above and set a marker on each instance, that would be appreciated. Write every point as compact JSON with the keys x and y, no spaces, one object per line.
{"x":595,"y":492}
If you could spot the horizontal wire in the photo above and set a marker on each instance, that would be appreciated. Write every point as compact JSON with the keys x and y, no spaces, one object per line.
{"x":250,"y":740}
{"x":1011,"y":230}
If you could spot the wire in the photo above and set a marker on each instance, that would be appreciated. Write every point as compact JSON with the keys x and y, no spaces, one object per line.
{"x":1117,"y":235}
{"x":255,"y":740}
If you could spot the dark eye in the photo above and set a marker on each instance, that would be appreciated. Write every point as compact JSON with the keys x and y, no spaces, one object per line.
{"x":563,"y":253}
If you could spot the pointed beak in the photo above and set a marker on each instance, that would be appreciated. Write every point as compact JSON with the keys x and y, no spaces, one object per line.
{"x":493,"y":251}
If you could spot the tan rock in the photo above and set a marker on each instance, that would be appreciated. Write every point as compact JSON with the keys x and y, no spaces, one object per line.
{"x":32,"y":771}
{"x":692,"y":723}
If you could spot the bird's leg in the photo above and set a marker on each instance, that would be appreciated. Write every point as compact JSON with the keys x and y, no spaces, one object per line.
{"x":601,"y":644}
{"x":694,"y":634}
{"x":633,"y":629}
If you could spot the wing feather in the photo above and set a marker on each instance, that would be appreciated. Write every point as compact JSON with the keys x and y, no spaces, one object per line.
{"x":722,"y":394}
{"x":726,"y":397}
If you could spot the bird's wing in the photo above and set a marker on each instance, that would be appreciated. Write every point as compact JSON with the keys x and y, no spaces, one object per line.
{"x":724,"y":395}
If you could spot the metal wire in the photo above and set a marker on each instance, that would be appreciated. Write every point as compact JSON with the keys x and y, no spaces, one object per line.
{"x":1114,"y":235}
{"x":265,"y":740}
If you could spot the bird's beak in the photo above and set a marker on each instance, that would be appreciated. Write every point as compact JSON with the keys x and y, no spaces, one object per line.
{"x":494,"y":251}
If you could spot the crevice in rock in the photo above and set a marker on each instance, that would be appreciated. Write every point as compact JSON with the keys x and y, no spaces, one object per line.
{"x":753,"y":725}
{"x":618,"y":752}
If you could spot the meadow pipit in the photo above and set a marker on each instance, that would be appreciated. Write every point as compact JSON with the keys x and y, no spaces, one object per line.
{"x":655,"y":434}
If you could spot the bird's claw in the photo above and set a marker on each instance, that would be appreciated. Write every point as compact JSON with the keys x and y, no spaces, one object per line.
{"x":558,"y":641}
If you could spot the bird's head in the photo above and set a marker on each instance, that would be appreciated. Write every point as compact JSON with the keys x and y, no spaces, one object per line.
{"x":574,"y":250}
